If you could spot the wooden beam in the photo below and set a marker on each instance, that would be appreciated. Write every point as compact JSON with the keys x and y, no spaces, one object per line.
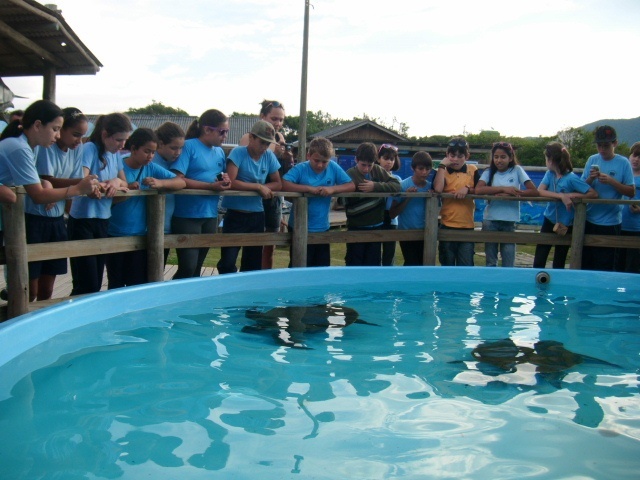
{"x":15,"y":239}
{"x":49,"y":16}
{"x":300,"y":232}
{"x":49,"y":84}
{"x":17,"y":37}
{"x":155,"y":238}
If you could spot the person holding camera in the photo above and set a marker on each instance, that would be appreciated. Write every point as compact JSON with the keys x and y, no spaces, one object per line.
{"x":202,"y":165}
{"x":251,"y":168}
{"x":610,"y":175}
{"x":272,"y":111}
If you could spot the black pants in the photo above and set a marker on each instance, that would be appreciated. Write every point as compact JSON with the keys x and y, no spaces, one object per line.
{"x":241,"y":222}
{"x":87,"y":272}
{"x":127,"y":268}
{"x":628,"y":259}
{"x":542,"y":251}
{"x":413,"y":253}
{"x":318,"y":255}
{"x":599,"y":258}
{"x":364,"y":254}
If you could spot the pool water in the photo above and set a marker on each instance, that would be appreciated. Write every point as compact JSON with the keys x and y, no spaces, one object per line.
{"x":180,"y":391}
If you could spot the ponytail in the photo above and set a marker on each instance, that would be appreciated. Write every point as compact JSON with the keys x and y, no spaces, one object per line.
{"x":559,"y":156}
{"x":210,"y":118}
{"x":111,"y":124}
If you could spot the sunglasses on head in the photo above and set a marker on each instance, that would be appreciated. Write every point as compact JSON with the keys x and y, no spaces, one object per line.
{"x":506,"y":145}
{"x":459,"y":144}
{"x":387,"y":146}
{"x":273,"y":104}
{"x":221,"y":131}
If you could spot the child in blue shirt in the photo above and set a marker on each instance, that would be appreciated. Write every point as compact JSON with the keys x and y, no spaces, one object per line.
{"x":503,"y":178}
{"x":129,"y":214}
{"x":323,"y":177}
{"x":170,"y":144}
{"x":201,"y":164}
{"x":610,"y":175}
{"x":628,"y":259}
{"x":60,"y":165}
{"x":250,"y":168}
{"x":389,"y":159}
{"x":559,"y":183}
{"x":411,"y":211}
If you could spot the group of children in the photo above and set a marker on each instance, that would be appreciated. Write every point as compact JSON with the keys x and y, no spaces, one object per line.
{"x":44,"y":152}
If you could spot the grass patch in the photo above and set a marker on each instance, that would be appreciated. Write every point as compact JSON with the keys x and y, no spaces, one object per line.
{"x":338,"y":251}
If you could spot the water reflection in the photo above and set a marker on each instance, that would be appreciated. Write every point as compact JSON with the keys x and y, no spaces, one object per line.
{"x":193,"y":391}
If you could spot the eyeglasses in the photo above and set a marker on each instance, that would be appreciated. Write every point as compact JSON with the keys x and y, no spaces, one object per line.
{"x":221,"y":131}
{"x":273,"y":104}
{"x":387,"y":146}
{"x":459,"y":143}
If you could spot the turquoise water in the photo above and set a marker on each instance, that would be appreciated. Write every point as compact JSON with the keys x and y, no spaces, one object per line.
{"x":179,"y":391}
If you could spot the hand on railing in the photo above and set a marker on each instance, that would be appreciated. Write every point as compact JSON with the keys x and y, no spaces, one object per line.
{"x":110,"y":187}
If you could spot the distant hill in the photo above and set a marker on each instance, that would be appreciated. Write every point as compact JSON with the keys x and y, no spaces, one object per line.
{"x":628,"y":129}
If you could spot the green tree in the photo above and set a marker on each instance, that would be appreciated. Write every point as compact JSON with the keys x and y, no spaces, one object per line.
{"x":157,"y":108}
{"x":316,"y":122}
{"x":529,"y":150}
{"x":580,"y":144}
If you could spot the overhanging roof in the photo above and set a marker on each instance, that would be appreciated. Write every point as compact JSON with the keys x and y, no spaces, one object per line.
{"x":34,"y":39}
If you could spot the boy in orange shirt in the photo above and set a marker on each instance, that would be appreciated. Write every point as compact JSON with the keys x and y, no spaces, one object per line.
{"x":456,"y":177}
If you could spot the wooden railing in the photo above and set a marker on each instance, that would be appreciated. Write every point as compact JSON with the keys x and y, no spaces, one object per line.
{"x":17,"y":253}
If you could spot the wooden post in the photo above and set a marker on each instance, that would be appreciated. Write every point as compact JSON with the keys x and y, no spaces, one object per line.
{"x":15,"y":239}
{"x":155,"y":237}
{"x":299,"y":237}
{"x":431,"y":230}
{"x":577,"y":236}
{"x":49,"y":84}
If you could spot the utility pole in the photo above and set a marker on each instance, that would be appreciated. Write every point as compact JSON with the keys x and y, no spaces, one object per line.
{"x":302,"y":131}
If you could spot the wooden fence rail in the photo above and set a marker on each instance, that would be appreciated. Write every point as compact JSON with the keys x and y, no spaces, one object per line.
{"x":17,"y":253}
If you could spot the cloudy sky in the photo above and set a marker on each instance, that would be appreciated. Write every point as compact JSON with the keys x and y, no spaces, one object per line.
{"x":522,"y":67}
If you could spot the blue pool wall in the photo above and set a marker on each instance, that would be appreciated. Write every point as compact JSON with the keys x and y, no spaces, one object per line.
{"x":30,"y":331}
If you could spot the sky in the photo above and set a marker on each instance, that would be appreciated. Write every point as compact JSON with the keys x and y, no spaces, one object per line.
{"x":521,"y":67}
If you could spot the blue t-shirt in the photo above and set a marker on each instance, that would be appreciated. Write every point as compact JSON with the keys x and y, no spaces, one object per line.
{"x":250,"y":171}
{"x":507,"y":211}
{"x":198,"y":162}
{"x":17,"y":162}
{"x":169,"y":198}
{"x":413,"y":215}
{"x":568,"y":183}
{"x":620,"y":169}
{"x":318,"y":207}
{"x":630,"y":220}
{"x":129,"y":218}
{"x":85,"y":207}
{"x":56,"y":163}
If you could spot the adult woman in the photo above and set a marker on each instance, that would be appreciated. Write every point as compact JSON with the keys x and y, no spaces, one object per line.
{"x":201,"y":164}
{"x":272,"y":111}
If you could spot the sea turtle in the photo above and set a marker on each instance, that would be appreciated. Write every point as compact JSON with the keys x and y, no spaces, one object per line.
{"x":549,"y":356}
{"x":284,"y":323}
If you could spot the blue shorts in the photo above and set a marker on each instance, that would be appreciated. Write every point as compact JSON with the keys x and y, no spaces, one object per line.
{"x":44,"y":230}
